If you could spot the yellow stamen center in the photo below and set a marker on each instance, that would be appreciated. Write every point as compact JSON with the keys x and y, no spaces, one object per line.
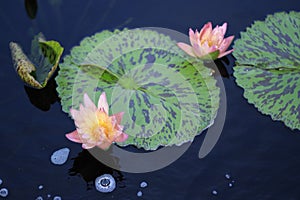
{"x":105,"y":124}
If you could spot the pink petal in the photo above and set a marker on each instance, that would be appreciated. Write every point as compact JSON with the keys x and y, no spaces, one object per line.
{"x":205,"y":31}
{"x":102,"y":103}
{"x":194,"y":37}
{"x":74,"y":113}
{"x":119,"y":117}
{"x":186,"y":48}
{"x":202,"y":50}
{"x":88,"y":103}
{"x":217,"y":35}
{"x":223,"y":29}
{"x":74,"y":137}
{"x":225,"y":53}
{"x":225,"y":43}
{"x":88,"y":146}
{"x":121,"y":138}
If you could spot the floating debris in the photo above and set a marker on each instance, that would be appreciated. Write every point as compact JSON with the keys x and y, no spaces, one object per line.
{"x":105,"y":183}
{"x":39,"y":198}
{"x":227,"y":176}
{"x":57,"y":198}
{"x":139,"y":193}
{"x":60,"y":156}
{"x":3,"y":192}
{"x":41,"y":187}
{"x":143,"y":184}
{"x":214,"y":192}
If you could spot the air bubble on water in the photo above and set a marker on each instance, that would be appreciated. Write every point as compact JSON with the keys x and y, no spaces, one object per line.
{"x":39,"y":198}
{"x":1,"y":181}
{"x":105,"y":183}
{"x":214,"y":192}
{"x":227,"y":176}
{"x":143,"y":184}
{"x":57,"y":198}
{"x":139,"y":193}
{"x":230,"y":184}
{"x":60,"y":156}
{"x":41,"y":187}
{"x":3,"y":192}
{"x":48,"y":195}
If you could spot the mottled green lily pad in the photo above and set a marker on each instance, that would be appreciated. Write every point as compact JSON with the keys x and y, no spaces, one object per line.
{"x":268,"y":66}
{"x":41,"y":64}
{"x":168,"y":98}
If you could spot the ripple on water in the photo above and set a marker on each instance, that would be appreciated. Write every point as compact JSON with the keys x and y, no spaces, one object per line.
{"x":105,"y":183}
{"x":3,"y":192}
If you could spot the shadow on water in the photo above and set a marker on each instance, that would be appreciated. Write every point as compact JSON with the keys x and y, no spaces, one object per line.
{"x":89,"y":168}
{"x":43,"y":98}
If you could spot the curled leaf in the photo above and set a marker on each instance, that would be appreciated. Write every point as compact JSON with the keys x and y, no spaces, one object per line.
{"x":42,"y":63}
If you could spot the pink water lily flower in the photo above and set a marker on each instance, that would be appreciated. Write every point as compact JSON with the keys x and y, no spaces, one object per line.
{"x":94,"y":127}
{"x":208,"y":41}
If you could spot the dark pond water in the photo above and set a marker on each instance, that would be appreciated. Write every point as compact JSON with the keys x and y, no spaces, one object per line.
{"x":261,"y":156}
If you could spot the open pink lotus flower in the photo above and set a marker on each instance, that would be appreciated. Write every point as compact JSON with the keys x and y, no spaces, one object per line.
{"x":208,"y":41}
{"x":94,"y":126}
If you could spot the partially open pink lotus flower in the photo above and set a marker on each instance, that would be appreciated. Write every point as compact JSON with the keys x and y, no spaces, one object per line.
{"x":94,"y":127}
{"x":208,"y":41}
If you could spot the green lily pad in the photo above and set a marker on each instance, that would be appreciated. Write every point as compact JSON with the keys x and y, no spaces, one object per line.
{"x":42,"y":63}
{"x":167,"y":97}
{"x":268,"y":66}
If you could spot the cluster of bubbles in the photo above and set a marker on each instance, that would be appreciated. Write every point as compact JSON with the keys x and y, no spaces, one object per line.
{"x":58,"y":157}
{"x":40,"y":187}
{"x":3,"y":191}
{"x":106,"y":183}
{"x":230,"y":184}
{"x":142,"y":185}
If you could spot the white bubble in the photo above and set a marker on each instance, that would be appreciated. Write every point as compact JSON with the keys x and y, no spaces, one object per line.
{"x":3,"y":192}
{"x":48,"y":195}
{"x":57,"y":198}
{"x":105,"y":183}
{"x":41,"y":187}
{"x":39,"y":198}
{"x":214,"y":192}
{"x":227,"y":176}
{"x":139,"y":193}
{"x":60,"y":156}
{"x":230,"y":184}
{"x":1,"y":181}
{"x":143,"y":184}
